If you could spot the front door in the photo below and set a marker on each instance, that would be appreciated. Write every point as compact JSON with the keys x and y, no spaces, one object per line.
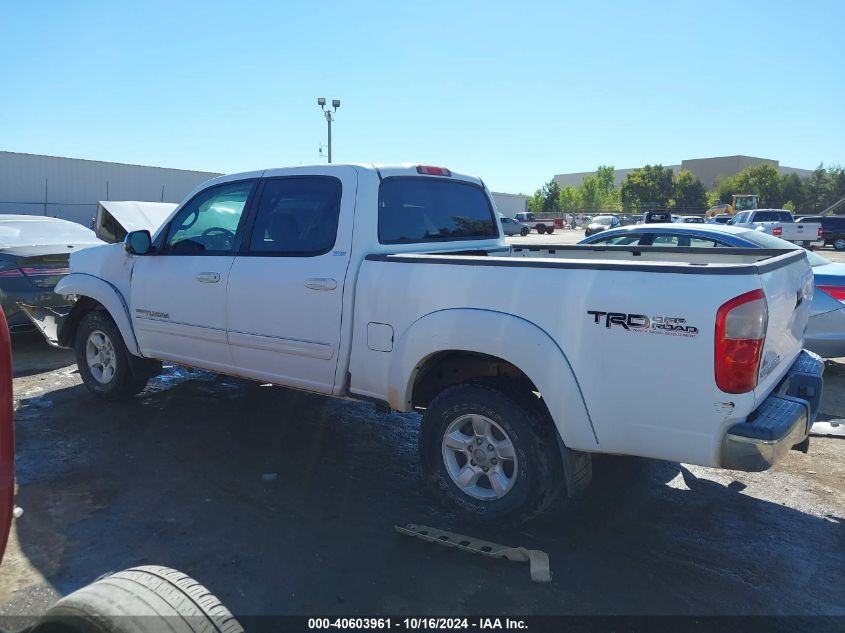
{"x":178,"y":297}
{"x":285,"y":297}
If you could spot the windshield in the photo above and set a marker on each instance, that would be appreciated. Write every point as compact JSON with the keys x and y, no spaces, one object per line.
{"x":41,"y":233}
{"x":764,"y":240}
{"x":603,"y":219}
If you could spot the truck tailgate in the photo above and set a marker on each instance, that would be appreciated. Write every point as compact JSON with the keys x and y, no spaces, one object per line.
{"x":789,"y":292}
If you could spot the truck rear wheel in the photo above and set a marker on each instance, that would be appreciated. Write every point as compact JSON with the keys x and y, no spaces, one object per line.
{"x":541,"y":228}
{"x":148,"y":598}
{"x":490,"y":453}
{"x":550,"y":230}
{"x":839,"y":244}
{"x":103,"y":359}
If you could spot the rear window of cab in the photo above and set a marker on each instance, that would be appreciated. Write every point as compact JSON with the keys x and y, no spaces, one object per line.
{"x":433,"y":210}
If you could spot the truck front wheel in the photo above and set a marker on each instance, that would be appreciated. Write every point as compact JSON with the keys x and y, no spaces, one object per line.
{"x":490,"y":453}
{"x":103,"y":359}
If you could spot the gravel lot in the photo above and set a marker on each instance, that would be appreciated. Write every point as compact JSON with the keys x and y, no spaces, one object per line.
{"x":177,"y":477}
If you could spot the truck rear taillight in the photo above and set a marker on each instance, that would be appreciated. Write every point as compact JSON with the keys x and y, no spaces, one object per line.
{"x":428,"y":170}
{"x":740,"y":334}
{"x":820,"y":232}
{"x":777,"y":231}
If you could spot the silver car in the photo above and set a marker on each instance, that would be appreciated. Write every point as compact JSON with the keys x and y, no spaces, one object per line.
{"x":512,"y":227}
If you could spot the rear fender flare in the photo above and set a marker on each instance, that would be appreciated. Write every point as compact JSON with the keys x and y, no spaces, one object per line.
{"x":101,"y":291}
{"x":504,"y":336}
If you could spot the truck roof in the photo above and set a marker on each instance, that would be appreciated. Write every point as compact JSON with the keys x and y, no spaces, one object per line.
{"x":384,"y":170}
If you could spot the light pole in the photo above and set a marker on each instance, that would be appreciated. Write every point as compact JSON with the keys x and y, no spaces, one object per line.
{"x":329,"y":114}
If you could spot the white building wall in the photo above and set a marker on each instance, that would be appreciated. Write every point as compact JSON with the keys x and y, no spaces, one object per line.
{"x":509,"y":204}
{"x":70,"y":188}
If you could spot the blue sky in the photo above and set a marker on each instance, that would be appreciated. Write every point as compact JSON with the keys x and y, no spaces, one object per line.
{"x":512,"y":91}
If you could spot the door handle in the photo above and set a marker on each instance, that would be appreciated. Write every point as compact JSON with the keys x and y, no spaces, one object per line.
{"x":208,"y":278}
{"x":322,"y":283}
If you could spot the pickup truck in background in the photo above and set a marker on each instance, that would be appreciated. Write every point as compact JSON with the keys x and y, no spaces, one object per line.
{"x":541,"y":226}
{"x":780,"y":223}
{"x":394,"y":284}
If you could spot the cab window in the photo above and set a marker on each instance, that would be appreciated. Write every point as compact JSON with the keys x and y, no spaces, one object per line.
{"x":208,"y":223}
{"x":297,"y":216}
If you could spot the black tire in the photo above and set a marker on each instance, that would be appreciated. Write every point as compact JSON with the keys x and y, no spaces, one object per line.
{"x":541,"y":228}
{"x":124,"y":382}
{"x":525,"y":230}
{"x":140,"y":599}
{"x":530,"y":430}
{"x":839,"y":244}
{"x":550,"y":230}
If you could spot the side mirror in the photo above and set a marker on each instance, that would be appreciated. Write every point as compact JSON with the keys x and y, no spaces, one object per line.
{"x":138,"y":242}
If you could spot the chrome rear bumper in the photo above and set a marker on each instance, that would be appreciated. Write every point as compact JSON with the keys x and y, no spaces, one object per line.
{"x":781,"y":422}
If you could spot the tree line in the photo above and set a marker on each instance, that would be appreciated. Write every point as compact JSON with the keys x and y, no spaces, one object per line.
{"x":658,"y":187}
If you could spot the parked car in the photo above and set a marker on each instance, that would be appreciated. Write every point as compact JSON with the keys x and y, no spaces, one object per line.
{"x":692,"y":219}
{"x":826,"y":329}
{"x":719,"y":219}
{"x":780,"y":223}
{"x":34,"y":253}
{"x":512,"y":227}
{"x":602,"y":223}
{"x":384,"y":291}
{"x":833,"y":229}
{"x":542,"y":226}
{"x":656,"y":216}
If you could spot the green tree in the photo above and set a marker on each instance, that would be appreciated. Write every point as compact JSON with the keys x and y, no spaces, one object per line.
{"x":762,"y":180}
{"x":791,"y":192}
{"x":689,"y":193}
{"x":570,"y":200}
{"x":651,"y":186}
{"x":599,"y":193}
{"x":546,"y":199}
{"x":817,"y":190}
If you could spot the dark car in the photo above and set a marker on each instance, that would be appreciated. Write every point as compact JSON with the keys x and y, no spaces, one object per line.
{"x":34,"y":256}
{"x":833,"y":229}
{"x":601,"y":223}
{"x":719,"y":219}
{"x":657,"y":217}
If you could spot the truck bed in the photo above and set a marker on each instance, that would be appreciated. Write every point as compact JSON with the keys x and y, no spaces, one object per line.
{"x":645,"y":392}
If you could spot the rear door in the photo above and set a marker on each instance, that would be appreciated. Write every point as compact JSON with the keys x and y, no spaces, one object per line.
{"x":285,"y":298}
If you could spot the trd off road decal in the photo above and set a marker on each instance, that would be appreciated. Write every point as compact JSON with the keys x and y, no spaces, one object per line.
{"x":673,"y":326}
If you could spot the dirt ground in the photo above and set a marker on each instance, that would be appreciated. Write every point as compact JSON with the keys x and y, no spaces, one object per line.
{"x":284,"y":503}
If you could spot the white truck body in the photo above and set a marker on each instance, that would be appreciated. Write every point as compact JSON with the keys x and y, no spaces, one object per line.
{"x":780,"y":223}
{"x":399,"y":323}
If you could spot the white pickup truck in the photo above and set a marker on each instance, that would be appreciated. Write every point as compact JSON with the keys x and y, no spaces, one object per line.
{"x":780,"y":223}
{"x":394,"y":284}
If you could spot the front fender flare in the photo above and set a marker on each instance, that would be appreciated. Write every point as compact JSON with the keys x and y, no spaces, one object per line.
{"x":101,"y":291}
{"x":504,"y":336}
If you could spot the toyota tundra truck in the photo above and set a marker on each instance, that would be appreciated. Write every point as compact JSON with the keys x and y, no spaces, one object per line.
{"x":394,"y":284}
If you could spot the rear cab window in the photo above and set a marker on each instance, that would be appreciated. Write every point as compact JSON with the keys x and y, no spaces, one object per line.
{"x":773,"y":216}
{"x":423,"y":209}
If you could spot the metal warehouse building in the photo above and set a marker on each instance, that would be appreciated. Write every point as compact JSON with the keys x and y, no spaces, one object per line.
{"x":70,"y":188}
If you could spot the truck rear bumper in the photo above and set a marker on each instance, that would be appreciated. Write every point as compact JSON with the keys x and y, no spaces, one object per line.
{"x":781,"y":422}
